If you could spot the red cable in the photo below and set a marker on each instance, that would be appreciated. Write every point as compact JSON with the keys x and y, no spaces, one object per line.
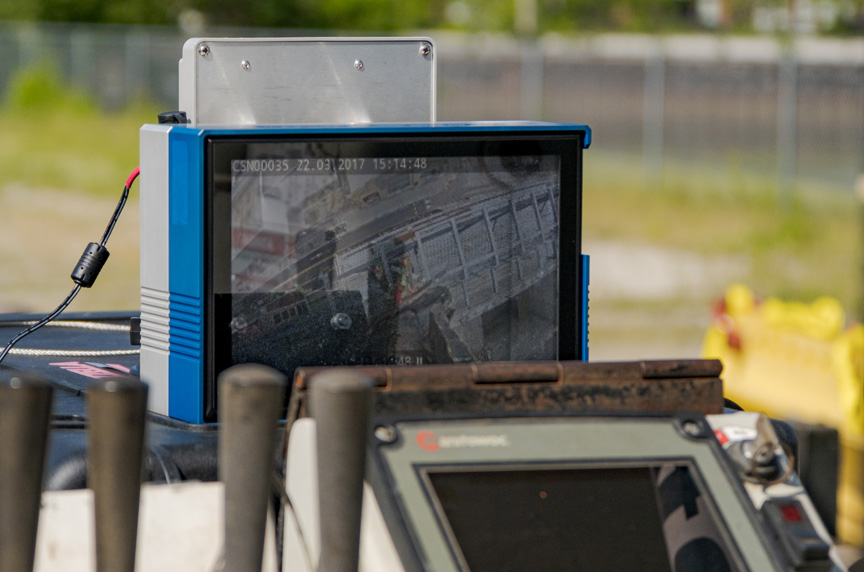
{"x":132,"y":177}
{"x":78,"y":284}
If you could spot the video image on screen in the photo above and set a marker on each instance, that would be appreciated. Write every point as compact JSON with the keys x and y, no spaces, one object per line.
{"x":392,"y":260}
{"x":578,"y":519}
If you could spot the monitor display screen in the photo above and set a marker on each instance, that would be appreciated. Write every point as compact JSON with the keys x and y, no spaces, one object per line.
{"x":577,"y":518}
{"x":398,"y":251}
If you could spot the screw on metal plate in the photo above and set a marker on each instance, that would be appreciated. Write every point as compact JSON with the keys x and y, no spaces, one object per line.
{"x":692,"y":428}
{"x":425,"y":50}
{"x":358,"y":64}
{"x":246,"y":65}
{"x":204,"y":50}
{"x":386,"y":433}
{"x":341,"y":321}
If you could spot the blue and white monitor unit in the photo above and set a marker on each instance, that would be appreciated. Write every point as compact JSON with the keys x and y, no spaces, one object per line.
{"x":401,"y":244}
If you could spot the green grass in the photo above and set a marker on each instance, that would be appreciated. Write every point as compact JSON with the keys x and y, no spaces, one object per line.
{"x":63,"y":163}
{"x":806,"y":245}
{"x":86,"y":152}
{"x":807,"y":248}
{"x":53,"y":137}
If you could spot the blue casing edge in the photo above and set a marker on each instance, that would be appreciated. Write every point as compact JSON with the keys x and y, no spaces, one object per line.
{"x":186,"y":228}
{"x":186,"y":275}
{"x":586,"y":279}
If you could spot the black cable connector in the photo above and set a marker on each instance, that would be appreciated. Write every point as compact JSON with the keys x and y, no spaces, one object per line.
{"x":175,"y":117}
{"x":135,"y":331}
{"x":87,"y":269}
{"x":90,"y":264}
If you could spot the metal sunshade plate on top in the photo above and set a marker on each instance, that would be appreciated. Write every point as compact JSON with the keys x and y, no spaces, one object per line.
{"x":285,"y":81}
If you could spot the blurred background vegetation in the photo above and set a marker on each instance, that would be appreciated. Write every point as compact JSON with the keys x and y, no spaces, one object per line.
{"x":695,"y":219}
{"x":526,"y":16}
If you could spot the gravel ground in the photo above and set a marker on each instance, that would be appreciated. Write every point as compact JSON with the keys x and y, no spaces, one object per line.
{"x":42,"y":235}
{"x":647,"y":302}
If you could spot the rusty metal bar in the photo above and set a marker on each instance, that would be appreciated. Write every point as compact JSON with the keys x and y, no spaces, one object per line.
{"x":678,"y":368}
{"x":666,"y":385}
{"x":530,"y":372}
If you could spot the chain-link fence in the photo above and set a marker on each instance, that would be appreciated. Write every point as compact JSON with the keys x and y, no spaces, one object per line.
{"x":791,"y":113}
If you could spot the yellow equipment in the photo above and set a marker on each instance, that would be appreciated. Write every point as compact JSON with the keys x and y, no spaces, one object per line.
{"x":799,"y":362}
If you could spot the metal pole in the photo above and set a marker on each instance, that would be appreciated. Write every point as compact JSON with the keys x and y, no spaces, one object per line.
{"x":340,"y":401}
{"x":137,"y":69}
{"x":653,"y":116}
{"x":25,"y":406}
{"x":251,"y":398}
{"x":526,"y":17}
{"x":531,"y":80}
{"x":859,"y":194}
{"x":81,"y":58}
{"x":116,"y":409}
{"x":787,"y":124}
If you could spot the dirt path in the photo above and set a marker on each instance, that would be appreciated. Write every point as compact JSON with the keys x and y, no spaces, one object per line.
{"x":646,"y":301}
{"x":42,"y":235}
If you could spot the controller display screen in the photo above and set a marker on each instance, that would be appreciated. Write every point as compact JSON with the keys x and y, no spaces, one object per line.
{"x":621,"y":518}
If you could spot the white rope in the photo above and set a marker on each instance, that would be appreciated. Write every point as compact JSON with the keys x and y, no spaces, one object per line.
{"x":71,"y":353}
{"x":77,"y":324}
{"x":81,"y":325}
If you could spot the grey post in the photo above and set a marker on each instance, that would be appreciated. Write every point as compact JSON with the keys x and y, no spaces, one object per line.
{"x":251,"y":398}
{"x":25,"y":407}
{"x":787,"y":125}
{"x":340,"y":402}
{"x":116,"y":409}
{"x":653,"y":115}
